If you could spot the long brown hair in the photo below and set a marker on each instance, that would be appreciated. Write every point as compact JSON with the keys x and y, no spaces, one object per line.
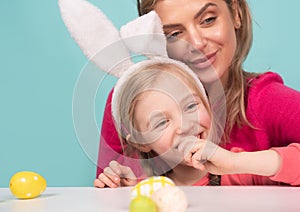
{"x":237,"y":80}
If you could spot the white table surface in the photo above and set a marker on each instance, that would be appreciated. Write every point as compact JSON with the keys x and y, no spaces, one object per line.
{"x":221,"y":199}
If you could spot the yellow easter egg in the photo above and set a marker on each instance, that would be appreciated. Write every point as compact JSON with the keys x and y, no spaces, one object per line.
{"x":149,"y":185}
{"x":142,"y":203}
{"x":27,"y":185}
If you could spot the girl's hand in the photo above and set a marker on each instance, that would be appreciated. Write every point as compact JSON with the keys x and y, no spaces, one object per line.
{"x":115,"y":175}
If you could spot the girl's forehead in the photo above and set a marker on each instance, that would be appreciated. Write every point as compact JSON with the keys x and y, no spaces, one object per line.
{"x":172,"y":85}
{"x":170,"y":81}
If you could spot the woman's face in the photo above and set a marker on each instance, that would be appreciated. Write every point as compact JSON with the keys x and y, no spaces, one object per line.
{"x":201,"y":33}
{"x":168,"y":113}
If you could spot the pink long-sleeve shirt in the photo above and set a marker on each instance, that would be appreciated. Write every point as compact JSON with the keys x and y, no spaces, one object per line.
{"x":288,"y":173}
{"x":272,"y":107}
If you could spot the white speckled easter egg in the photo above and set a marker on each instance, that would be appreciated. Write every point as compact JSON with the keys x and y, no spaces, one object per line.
{"x":170,"y":199}
{"x":148,"y":186}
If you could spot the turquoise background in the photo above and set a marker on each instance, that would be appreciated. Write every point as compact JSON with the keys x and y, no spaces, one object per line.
{"x":40,"y":65}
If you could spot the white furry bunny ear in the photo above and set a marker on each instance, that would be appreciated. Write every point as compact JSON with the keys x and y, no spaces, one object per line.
{"x":94,"y":33}
{"x":148,"y":35}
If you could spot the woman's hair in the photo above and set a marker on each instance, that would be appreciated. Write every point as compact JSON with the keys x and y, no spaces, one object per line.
{"x":235,"y":90}
{"x":141,"y":81}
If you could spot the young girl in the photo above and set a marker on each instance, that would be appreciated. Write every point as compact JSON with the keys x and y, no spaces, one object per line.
{"x":162,"y":113}
{"x":261,"y":111}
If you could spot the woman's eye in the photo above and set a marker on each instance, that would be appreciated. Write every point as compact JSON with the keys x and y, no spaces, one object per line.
{"x":209,"y":20}
{"x":173,"y":36}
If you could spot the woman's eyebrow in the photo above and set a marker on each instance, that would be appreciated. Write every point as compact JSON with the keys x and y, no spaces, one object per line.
{"x":199,"y":13}
{"x":210,"y":4}
{"x":170,"y":26}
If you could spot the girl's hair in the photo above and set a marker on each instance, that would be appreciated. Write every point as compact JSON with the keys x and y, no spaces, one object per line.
{"x":238,"y":79}
{"x":141,"y":81}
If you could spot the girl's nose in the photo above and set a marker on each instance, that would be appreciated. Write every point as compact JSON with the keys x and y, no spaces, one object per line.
{"x":184,"y":127}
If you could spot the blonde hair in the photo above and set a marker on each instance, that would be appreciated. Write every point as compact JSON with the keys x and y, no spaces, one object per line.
{"x":141,"y":81}
{"x":237,"y":80}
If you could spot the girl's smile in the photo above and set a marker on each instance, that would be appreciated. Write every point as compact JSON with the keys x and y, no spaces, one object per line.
{"x":168,"y":113}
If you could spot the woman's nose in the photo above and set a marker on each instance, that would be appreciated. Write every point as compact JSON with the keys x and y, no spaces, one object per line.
{"x":197,"y":42}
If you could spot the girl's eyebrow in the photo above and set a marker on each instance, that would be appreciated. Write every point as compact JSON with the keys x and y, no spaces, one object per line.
{"x":199,"y":13}
{"x":189,"y":97}
{"x":156,"y":115}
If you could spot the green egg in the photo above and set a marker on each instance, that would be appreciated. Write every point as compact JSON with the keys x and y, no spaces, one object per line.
{"x":142,"y":203}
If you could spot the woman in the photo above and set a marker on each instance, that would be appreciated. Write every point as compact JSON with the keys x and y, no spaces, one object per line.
{"x":261,"y":111}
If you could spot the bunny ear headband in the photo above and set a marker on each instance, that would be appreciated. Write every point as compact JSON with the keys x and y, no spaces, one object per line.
{"x":99,"y":39}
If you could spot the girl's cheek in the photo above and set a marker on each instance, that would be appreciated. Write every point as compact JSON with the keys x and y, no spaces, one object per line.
{"x":204,"y":117}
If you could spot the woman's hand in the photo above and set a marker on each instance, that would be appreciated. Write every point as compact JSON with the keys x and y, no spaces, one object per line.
{"x":115,"y":175}
{"x":205,"y":155}
{"x":213,"y":158}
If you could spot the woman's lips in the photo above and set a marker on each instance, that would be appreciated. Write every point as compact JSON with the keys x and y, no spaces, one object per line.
{"x":204,"y":62}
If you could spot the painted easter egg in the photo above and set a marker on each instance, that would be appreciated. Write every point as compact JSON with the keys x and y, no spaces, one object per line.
{"x":142,"y":203}
{"x":27,"y":185}
{"x":149,"y":185}
{"x":165,"y":198}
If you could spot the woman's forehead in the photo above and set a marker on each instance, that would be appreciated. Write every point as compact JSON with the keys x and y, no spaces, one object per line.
{"x":173,"y":11}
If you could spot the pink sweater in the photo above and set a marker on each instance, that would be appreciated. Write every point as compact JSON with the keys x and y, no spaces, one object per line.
{"x":272,"y":107}
{"x":288,"y":174}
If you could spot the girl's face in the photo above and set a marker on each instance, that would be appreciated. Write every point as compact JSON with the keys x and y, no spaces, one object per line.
{"x":168,"y":113}
{"x":201,"y":33}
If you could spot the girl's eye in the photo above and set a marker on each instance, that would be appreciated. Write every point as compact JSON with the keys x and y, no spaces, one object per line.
{"x":209,"y":20}
{"x":161,"y":124}
{"x":191,"y":107}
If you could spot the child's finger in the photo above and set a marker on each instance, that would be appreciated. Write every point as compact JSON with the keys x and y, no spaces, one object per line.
{"x":186,"y":146}
{"x":127,"y":172}
{"x":198,"y":161}
{"x":122,"y":171}
{"x":107,"y":181}
{"x":115,"y":178}
{"x":115,"y":167}
{"x":128,"y":182}
{"x":98,"y":183}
